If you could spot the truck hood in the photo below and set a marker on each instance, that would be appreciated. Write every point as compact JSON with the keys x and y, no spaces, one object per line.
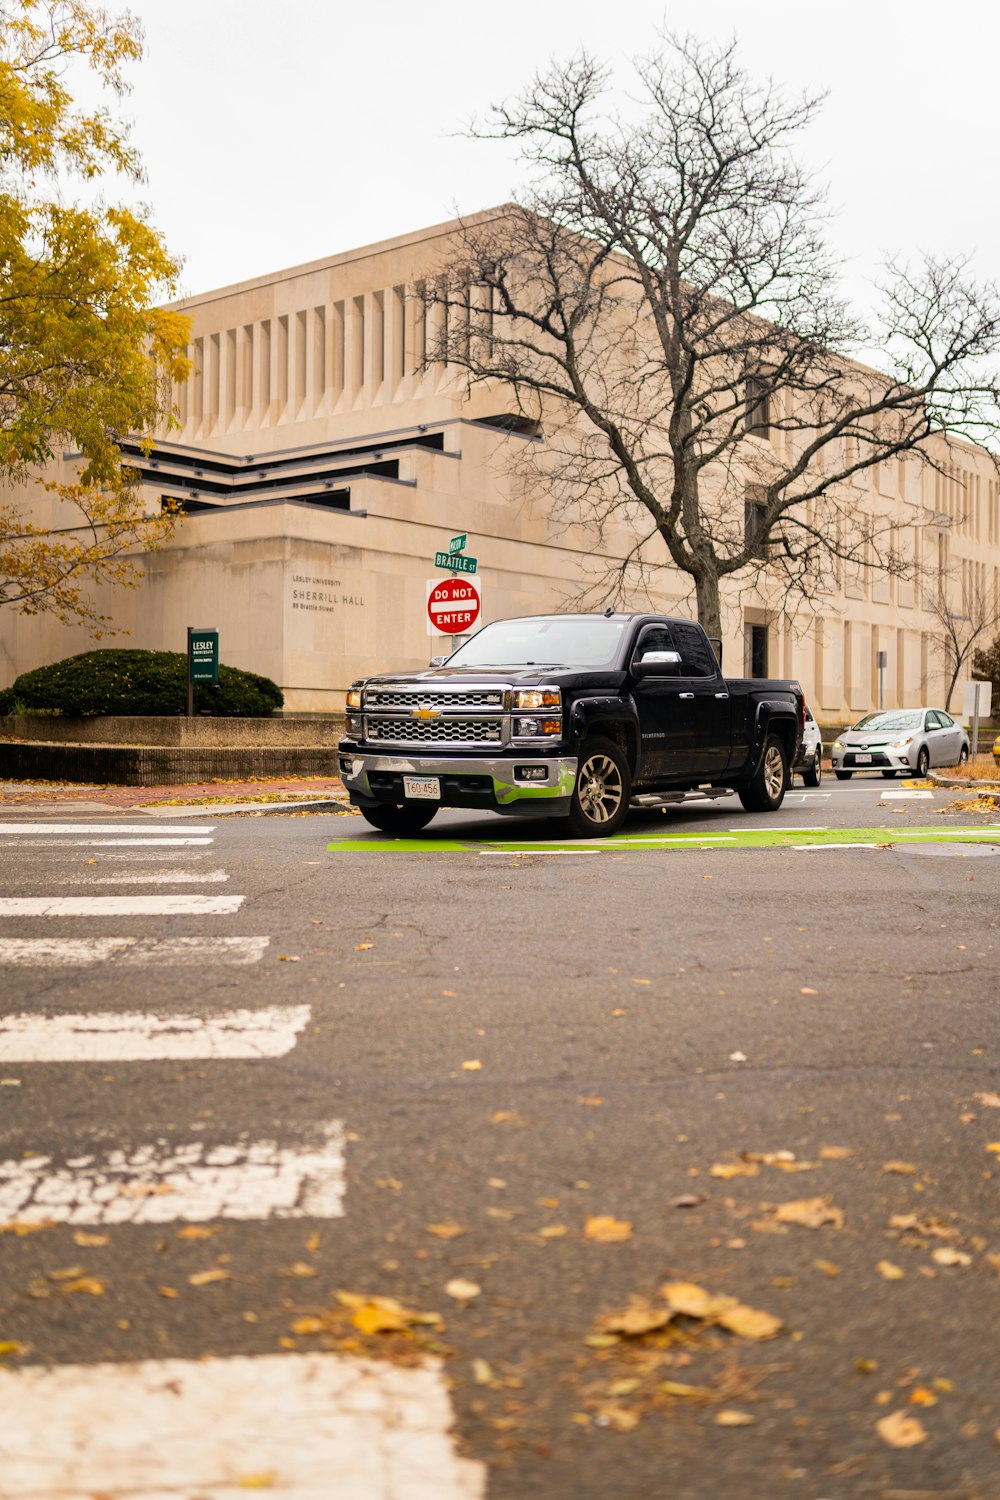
{"x":594,"y":680}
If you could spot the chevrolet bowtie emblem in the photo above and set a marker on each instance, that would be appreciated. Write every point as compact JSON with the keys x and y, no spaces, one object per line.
{"x":426,"y":713}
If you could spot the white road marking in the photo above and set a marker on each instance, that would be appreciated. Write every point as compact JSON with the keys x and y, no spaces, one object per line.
{"x":158,"y":1184}
{"x":298,"y":1426}
{"x":51,"y":953}
{"x":158,"y":877}
{"x":98,"y":843}
{"x":530,"y":849}
{"x":811,"y":848}
{"x":119,"y":906}
{"x":96,"y":828}
{"x":133,"y":1037}
{"x":782,"y":828}
{"x":910,"y":796}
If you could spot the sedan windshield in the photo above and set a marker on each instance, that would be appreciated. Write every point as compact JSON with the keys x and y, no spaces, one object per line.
{"x":891,"y":720}
{"x":544,"y":641}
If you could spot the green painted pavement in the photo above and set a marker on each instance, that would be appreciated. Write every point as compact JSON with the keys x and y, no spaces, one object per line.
{"x":750,"y":838}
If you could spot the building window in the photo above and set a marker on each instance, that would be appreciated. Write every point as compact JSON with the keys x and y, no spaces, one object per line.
{"x":755,"y":534}
{"x":758,"y":407}
{"x":756,"y":650}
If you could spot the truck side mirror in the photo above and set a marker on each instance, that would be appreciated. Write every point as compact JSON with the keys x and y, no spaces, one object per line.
{"x":657,"y":664}
{"x":437,"y":661}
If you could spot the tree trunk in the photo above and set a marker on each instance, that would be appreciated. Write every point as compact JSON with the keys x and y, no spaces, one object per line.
{"x":709,"y":607}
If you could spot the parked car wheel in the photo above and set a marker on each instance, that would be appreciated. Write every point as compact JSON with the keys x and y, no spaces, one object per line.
{"x":599,"y":805}
{"x":923,"y":761}
{"x":963,"y":756}
{"x":396,"y":817}
{"x":843,"y":775}
{"x":766,"y":791}
{"x":813,"y":773}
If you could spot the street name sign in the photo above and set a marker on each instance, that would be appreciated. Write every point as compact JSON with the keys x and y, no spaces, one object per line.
{"x":455,"y":562}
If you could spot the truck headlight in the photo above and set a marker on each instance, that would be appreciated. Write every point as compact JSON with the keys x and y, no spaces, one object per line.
{"x":354,"y":725}
{"x":542,"y":697}
{"x":354,"y":698}
{"x":534,"y":728}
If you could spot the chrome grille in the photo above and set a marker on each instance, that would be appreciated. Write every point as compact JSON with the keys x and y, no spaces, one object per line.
{"x":435,"y":731}
{"x":410,"y":698}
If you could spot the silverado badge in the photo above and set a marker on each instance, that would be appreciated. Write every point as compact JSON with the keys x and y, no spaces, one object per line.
{"x":426,"y":713}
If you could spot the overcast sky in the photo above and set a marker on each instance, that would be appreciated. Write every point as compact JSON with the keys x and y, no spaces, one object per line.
{"x":280,"y":131}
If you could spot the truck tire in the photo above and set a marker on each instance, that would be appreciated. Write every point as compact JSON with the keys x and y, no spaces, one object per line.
{"x":601,"y":792}
{"x":766,"y":791}
{"x":395,"y":817}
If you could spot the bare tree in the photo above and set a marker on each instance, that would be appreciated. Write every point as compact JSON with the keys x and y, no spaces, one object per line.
{"x":966,"y":610}
{"x":664,"y":301}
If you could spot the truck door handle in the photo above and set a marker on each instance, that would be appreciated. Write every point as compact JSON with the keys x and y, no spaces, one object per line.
{"x":722,"y":695}
{"x":685,"y":695}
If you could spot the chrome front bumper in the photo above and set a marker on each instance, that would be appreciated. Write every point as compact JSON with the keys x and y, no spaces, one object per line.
{"x":509,"y":794}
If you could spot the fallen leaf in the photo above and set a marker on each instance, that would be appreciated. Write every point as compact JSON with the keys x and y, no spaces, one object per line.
{"x":727,"y":1169}
{"x":811,"y":1213}
{"x":449,"y":1230}
{"x":827,"y":1267}
{"x":623,"y":1387}
{"x":749,"y":1322}
{"x":947,"y":1256}
{"x":729,"y":1418}
{"x":635,"y":1321}
{"x":606,"y":1229}
{"x":362,"y":947}
{"x":482,"y":1374}
{"x":205,"y":1278}
{"x":889,"y":1271}
{"x":462,"y":1290}
{"x":86,"y":1240}
{"x":866,"y":1366}
{"x":198,"y":1232}
{"x":902,"y":1168}
{"x":392,"y":1183}
{"x":679,"y":1388}
{"x":769,"y":1158}
{"x":300,"y":1268}
{"x":994,"y":1146}
{"x":692,"y":1300}
{"x":263,"y":1481}
{"x":688,"y":1200}
{"x":89,"y":1286}
{"x":988,"y":1101}
{"x":737,"y":1057}
{"x":805,"y":990}
{"x":168,"y":1291}
{"x":11,"y":1346}
{"x":593,"y":1100}
{"x":619,"y":1417}
{"x":472,"y":1066}
{"x":288,"y":958}
{"x":929,"y":1227}
{"x":144,"y":1189}
{"x":69,"y":1274}
{"x":921,"y":1396}
{"x":308,"y":1325}
{"x":21,"y":1227}
{"x":901,"y":1431}
{"x":553,"y":1231}
{"x":642,"y":981}
{"x":834,"y":1153}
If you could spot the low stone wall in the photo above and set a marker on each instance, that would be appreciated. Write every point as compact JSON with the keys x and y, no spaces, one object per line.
{"x":200,"y":732}
{"x":161,"y":765}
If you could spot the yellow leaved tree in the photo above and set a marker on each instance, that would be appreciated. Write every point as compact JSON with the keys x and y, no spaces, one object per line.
{"x":85,"y":356}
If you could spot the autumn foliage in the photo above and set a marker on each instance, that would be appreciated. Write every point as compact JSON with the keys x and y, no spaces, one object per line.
{"x":85,"y":356}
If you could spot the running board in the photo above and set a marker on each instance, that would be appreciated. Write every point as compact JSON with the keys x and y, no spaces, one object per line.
{"x":664,"y":799}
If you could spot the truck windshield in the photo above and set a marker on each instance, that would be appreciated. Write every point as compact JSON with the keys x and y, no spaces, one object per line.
{"x":544,"y":641}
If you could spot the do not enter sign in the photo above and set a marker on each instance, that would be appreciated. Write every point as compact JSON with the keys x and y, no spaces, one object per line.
{"x":453,"y":605}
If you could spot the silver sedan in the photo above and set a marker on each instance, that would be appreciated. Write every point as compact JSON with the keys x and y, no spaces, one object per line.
{"x":894,"y":740}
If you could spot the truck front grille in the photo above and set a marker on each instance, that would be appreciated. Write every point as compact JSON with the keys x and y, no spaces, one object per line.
{"x":410,"y":698}
{"x":434,"y":731}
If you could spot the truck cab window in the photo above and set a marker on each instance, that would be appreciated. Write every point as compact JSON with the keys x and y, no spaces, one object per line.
{"x":697,"y":659}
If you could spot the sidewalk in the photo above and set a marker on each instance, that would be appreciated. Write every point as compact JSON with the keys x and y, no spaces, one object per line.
{"x":278,"y":794}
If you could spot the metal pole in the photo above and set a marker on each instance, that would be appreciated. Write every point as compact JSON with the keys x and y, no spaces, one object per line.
{"x":975,"y":721}
{"x":190,"y":702}
{"x":881,"y":685}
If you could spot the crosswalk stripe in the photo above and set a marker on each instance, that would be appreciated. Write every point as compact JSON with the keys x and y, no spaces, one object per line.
{"x":26,"y":828}
{"x":119,"y":906}
{"x":111,"y":1036}
{"x":98,"y":843}
{"x":158,"y":877}
{"x":296,"y":1425}
{"x":51,"y":953}
{"x":159,"y":1184}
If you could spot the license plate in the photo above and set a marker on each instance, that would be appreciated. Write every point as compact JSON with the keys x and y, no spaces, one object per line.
{"x":428,"y":787}
{"x":863,"y":760}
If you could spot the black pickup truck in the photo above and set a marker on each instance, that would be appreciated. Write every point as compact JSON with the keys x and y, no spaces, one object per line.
{"x":574,"y":716}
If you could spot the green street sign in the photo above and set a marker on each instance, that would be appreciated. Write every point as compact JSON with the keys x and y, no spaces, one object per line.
{"x":203,"y":655}
{"x":455,"y":562}
{"x":457,"y":543}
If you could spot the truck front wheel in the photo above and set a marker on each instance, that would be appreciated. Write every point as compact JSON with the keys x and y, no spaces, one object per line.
{"x":601,"y":794}
{"x":395,"y":817}
{"x":766,"y":791}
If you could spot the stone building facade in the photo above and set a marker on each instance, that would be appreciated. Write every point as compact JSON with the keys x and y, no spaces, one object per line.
{"x":321,"y":463}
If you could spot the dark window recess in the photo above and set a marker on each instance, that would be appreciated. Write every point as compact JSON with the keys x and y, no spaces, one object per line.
{"x":755,"y":531}
{"x":757,"y":643}
{"x":512,"y":422}
{"x":696,"y":655}
{"x":185,"y":504}
{"x":758,"y":406}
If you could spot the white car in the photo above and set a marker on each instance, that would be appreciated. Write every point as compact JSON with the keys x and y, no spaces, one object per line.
{"x":810,"y":762}
{"x":894,"y":740}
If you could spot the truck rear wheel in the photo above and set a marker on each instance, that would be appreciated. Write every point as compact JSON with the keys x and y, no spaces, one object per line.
{"x":766,"y":791}
{"x":602,"y":790}
{"x":396,"y":817}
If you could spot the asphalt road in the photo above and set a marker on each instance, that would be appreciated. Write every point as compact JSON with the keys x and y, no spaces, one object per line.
{"x":515,"y":1042}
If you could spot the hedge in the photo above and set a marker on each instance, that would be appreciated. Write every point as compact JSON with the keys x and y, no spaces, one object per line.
{"x":115,"y":681}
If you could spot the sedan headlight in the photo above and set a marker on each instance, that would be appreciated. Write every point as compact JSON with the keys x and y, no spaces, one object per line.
{"x":354,"y":698}
{"x":837,"y":745}
{"x":540,"y":697}
{"x":901,"y":744}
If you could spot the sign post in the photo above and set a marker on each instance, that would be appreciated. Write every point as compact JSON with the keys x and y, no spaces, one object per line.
{"x":882,"y":661}
{"x":977,"y":703}
{"x":202,"y":661}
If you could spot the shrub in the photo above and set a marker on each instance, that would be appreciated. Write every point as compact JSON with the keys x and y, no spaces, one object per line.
{"x":139,"y":682}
